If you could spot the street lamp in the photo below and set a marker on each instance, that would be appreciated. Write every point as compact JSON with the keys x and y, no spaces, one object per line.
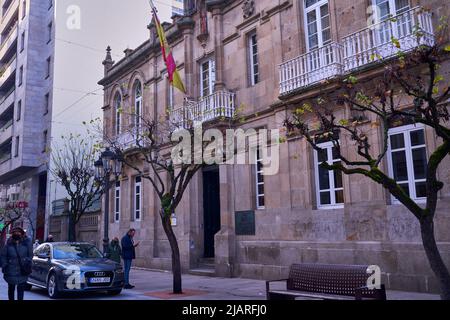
{"x":108,"y":164}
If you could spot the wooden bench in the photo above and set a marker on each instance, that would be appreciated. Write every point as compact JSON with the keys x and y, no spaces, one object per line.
{"x":326,"y":282}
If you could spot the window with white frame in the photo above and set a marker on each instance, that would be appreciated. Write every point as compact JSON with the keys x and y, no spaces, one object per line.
{"x":330,"y":189}
{"x":137,"y":198}
{"x":253,"y":58}
{"x":138,"y":103}
{"x":118,"y":112}
{"x":317,"y":23}
{"x":407,"y":159}
{"x":390,"y":8}
{"x":260,"y":197}
{"x":117,"y":202}
{"x":207,"y":77}
{"x":170,"y":95}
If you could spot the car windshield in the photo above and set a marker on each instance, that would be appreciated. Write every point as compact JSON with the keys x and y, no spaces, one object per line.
{"x":76,"y":251}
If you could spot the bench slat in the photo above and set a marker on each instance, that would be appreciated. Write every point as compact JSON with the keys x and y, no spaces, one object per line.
{"x":312,"y":295}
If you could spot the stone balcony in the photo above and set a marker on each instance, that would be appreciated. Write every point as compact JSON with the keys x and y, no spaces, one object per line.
{"x":218,"y":106}
{"x":358,"y":50}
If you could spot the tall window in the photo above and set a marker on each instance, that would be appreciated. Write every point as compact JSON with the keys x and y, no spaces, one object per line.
{"x":260,"y":198}
{"x":137,"y":103}
{"x":330,"y":190}
{"x":170,"y":95}
{"x":118,"y":112}
{"x":45,"y":138}
{"x":49,"y":32}
{"x":137,"y":198}
{"x":24,"y":8}
{"x":19,"y":110}
{"x":22,"y":41}
{"x":16,"y":147}
{"x":20,"y":76}
{"x":253,"y":59}
{"x":49,"y":67}
{"x":317,"y":20}
{"x":207,"y":77}
{"x":117,"y":202}
{"x":408,"y":159}
{"x":47,"y":103}
{"x":389,"y":8}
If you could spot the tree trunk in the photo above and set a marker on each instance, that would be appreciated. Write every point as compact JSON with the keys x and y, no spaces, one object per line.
{"x":434,"y":257}
{"x":72,"y":229}
{"x":176,"y":261}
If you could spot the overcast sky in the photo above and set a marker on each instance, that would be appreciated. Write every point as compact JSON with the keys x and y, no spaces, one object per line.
{"x":79,"y":54}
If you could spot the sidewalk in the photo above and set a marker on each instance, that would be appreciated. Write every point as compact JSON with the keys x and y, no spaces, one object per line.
{"x":157,"y":285}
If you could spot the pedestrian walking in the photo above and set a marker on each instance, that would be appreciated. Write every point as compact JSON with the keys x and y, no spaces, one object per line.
{"x":36,"y":244}
{"x":114,"y":250}
{"x":128,"y":255}
{"x":16,"y":263}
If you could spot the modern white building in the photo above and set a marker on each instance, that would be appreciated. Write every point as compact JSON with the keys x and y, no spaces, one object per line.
{"x":26,"y":81}
{"x":177,"y":7}
{"x":49,"y":67}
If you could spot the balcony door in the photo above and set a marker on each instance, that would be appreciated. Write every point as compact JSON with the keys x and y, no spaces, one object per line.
{"x":207,"y":83}
{"x":318,"y":35}
{"x":398,"y":28}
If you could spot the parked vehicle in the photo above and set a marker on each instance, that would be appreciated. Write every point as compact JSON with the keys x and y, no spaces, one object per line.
{"x":62,"y":267}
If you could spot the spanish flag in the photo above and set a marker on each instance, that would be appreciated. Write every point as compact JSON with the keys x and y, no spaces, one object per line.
{"x":174,"y":76}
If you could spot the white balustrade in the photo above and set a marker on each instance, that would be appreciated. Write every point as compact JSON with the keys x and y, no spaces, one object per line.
{"x":312,"y":67}
{"x":411,"y":29}
{"x":218,"y":106}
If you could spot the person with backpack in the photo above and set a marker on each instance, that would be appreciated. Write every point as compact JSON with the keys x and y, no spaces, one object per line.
{"x":16,"y":258}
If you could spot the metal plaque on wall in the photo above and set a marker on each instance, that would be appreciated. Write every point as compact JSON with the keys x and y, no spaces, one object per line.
{"x":245,"y":223}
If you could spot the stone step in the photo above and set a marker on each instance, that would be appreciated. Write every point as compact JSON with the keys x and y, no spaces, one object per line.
{"x":206,"y":272}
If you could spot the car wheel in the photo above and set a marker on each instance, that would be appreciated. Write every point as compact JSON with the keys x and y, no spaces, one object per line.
{"x":52,"y":287}
{"x":114,"y":292}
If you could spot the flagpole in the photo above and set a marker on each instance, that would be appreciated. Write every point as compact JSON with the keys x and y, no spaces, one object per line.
{"x":152,"y":6}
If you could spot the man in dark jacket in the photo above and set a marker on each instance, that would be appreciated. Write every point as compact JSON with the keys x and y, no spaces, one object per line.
{"x":128,"y":255}
{"x":16,"y":256}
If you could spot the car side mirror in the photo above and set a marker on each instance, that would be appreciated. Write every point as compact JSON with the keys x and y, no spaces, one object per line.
{"x":43,"y":256}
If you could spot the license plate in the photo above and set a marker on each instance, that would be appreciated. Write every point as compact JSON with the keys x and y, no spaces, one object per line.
{"x":100,"y":280}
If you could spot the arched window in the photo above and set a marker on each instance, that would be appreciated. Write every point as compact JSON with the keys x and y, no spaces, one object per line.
{"x":138,"y":102}
{"x":118,"y":112}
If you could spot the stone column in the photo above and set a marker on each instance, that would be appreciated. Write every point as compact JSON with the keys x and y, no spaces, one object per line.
{"x":225,"y":239}
{"x":216,"y":9}
{"x":186,"y":24}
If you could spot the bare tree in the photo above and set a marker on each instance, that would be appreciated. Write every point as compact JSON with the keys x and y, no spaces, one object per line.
{"x":12,"y":213}
{"x":154,"y":156}
{"x":73,"y":168}
{"x":411,"y":89}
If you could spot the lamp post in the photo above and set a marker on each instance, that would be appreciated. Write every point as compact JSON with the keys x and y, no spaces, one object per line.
{"x":109,"y":163}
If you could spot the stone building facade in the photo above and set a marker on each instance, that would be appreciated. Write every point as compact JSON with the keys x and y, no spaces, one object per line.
{"x":87,"y":229}
{"x":265,"y":57}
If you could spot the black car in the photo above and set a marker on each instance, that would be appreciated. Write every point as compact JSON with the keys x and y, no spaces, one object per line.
{"x":74,"y":267}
